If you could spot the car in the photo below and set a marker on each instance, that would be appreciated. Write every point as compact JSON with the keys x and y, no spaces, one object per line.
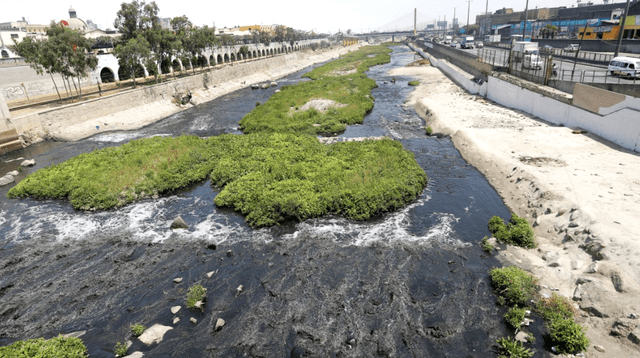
{"x":572,"y":48}
{"x":454,"y":44}
{"x":546,"y":49}
{"x":625,"y":66}
{"x":479,"y":44}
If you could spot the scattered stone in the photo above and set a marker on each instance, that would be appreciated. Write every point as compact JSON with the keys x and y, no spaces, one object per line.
{"x":135,"y":355}
{"x":176,"y":320}
{"x":596,"y":311}
{"x":7,"y":179}
{"x":599,"y":348}
{"x":633,"y":316}
{"x":582,"y":280}
{"x":635,"y":336}
{"x":273,"y":84}
{"x":175,"y":309}
{"x":623,"y":327}
{"x":575,"y":264}
{"x":255,"y":86}
{"x":179,"y":223}
{"x":28,"y":163}
{"x":154,"y":334}
{"x":219,"y":324}
{"x":521,"y":336}
{"x":229,"y":253}
{"x":209,"y":274}
{"x":277,"y":91}
{"x":193,"y":320}
{"x":239,"y":289}
{"x":177,"y":280}
{"x":198,"y":304}
{"x":14,"y":173}
{"x":593,"y":268}
{"x":577,"y":293}
{"x":77,"y":334}
{"x":554,"y":349}
{"x":562,"y":211}
{"x":617,"y":281}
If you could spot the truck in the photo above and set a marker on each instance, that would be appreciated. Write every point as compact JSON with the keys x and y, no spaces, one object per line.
{"x":493,"y":38}
{"x":447,"y":39}
{"x":528,"y":53}
{"x":467,"y":42}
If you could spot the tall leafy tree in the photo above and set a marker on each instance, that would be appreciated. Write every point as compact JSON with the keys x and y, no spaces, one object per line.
{"x":132,"y":54}
{"x":38,"y":54}
{"x":135,"y":18}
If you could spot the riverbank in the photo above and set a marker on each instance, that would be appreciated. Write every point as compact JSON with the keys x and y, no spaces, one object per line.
{"x":579,"y":192}
{"x":140,"y":107}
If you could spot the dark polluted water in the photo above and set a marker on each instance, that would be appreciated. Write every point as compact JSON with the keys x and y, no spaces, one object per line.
{"x":413,"y":283}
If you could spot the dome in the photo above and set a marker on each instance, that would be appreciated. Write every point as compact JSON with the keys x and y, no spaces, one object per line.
{"x":77,"y":24}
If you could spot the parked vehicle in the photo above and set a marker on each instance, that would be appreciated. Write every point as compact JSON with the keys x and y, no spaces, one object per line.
{"x":467,"y":42}
{"x":625,"y":66}
{"x":454,"y":44}
{"x":528,"y":52}
{"x":572,"y":48}
{"x":493,"y":38}
{"x":546,"y":49}
{"x":448,"y":39}
{"x":479,"y":44}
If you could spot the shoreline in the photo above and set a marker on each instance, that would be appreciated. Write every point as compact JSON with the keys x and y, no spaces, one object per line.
{"x":562,"y":183}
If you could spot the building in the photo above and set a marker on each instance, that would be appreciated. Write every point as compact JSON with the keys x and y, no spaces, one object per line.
{"x":567,"y":21}
{"x":244,"y":30}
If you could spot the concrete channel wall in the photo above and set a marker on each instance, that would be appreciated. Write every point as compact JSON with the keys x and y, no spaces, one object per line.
{"x":612,"y":116}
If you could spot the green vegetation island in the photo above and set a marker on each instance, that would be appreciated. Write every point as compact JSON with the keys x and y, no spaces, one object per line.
{"x":276,"y":171}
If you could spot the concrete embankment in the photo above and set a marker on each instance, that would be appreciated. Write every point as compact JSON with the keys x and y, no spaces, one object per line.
{"x":139,"y":107}
{"x":579,"y":191}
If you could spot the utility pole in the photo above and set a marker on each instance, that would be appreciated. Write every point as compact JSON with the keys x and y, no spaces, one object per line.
{"x":624,"y":20}
{"x":486,"y":19}
{"x":454,"y":19}
{"x":468,"y":11}
{"x":526,"y":14}
{"x":415,"y":17}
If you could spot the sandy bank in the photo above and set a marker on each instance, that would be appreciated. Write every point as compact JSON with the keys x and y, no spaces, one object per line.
{"x":580,"y":192}
{"x":156,"y":106}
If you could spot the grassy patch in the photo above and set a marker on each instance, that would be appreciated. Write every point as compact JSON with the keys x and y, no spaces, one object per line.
{"x":567,"y":336}
{"x":40,"y":347}
{"x":414,"y":83}
{"x":486,"y":246}
{"x":515,"y":316}
{"x":137,"y":329}
{"x":428,"y":130}
{"x":196,"y":293}
{"x":516,"y":232}
{"x":120,"y":349}
{"x":555,"y":307}
{"x":510,"y":348}
{"x":514,"y":286}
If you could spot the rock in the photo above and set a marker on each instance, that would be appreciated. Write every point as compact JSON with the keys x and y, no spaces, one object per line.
{"x":239,"y":289}
{"x":593,"y":268}
{"x":577,"y":293}
{"x":521,"y":337}
{"x":552,"y":258}
{"x":177,"y":279}
{"x":176,"y":320}
{"x":582,"y":280}
{"x":633,"y":316}
{"x":198,"y":304}
{"x":594,"y":310}
{"x":623,"y":327}
{"x":273,"y":84}
{"x":209,"y":274}
{"x":14,"y":173}
{"x":135,"y":355}
{"x":617,"y":281}
{"x":599,"y":348}
{"x":154,"y":334}
{"x":255,"y":86}
{"x":77,"y":334}
{"x":7,"y":179}
{"x":575,"y":264}
{"x":561,"y":211}
{"x":175,"y":309}
{"x":28,"y":163}
{"x":179,"y":223}
{"x":277,"y":91}
{"x":193,"y":320}
{"x":229,"y":253}
{"x":219,"y":324}
{"x":635,"y":336}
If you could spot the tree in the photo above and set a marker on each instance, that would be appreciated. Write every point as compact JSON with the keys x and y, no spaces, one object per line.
{"x":135,"y":18}
{"x":260,"y":36}
{"x":227,"y":40}
{"x":132,"y":54}
{"x":38,"y":55}
{"x":180,"y":24}
{"x":349,"y":32}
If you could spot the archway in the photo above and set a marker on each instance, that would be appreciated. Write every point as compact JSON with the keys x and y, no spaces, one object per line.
{"x":219,"y":59}
{"x":226,"y":57}
{"x":212,"y":60}
{"x":255,"y":54}
{"x":175,"y":64}
{"x":106,"y":75}
{"x":202,"y":61}
{"x":263,"y":54}
{"x":233,"y":57}
{"x":5,"y":54}
{"x":165,"y":66}
{"x":125,"y":74}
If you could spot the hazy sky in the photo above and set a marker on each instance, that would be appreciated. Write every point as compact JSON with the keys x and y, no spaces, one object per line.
{"x":322,"y":16}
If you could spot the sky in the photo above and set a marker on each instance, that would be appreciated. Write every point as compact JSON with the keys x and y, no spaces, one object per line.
{"x":322,"y":16}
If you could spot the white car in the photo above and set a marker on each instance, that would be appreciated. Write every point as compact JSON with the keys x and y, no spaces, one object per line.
{"x":625,"y":66}
{"x":572,"y":48}
{"x":479,"y":44}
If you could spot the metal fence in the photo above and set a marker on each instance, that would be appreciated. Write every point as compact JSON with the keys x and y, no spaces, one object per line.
{"x":560,"y":52}
{"x":540,"y":69}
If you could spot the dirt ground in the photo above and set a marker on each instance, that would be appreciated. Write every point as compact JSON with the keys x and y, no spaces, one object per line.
{"x":579,"y":191}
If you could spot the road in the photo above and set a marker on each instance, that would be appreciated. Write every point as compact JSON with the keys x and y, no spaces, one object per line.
{"x":583,"y":72}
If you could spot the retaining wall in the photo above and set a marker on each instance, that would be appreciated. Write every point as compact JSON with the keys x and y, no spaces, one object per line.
{"x":614,"y":117}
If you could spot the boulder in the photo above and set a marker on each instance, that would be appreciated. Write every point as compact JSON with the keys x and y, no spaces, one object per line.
{"x":193,"y":320}
{"x":521,"y":337}
{"x":28,"y":163}
{"x":175,"y":309}
{"x":255,"y":86}
{"x":154,"y":334}
{"x":176,"y":320}
{"x":14,"y":173}
{"x":219,"y":324}
{"x":635,"y":336}
{"x":7,"y":179}
{"x":273,"y":84}
{"x":135,"y":355}
{"x":177,"y":279}
{"x":209,"y":274}
{"x":179,"y":223}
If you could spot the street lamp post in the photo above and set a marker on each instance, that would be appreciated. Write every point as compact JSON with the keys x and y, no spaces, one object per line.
{"x":526,"y":14}
{"x":486,"y":19}
{"x":468,"y":11}
{"x":624,"y":19}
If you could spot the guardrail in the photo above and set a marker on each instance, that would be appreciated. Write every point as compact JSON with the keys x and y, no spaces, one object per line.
{"x":582,"y":55}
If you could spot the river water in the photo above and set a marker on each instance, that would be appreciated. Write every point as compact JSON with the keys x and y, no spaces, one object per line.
{"x":409,"y":283}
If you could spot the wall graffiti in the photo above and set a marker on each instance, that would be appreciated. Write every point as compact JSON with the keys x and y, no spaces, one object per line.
{"x":13,"y":92}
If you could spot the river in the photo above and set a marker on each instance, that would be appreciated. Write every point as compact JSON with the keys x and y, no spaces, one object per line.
{"x":409,"y":283}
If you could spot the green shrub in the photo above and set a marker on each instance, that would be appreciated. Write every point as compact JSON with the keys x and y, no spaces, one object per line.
{"x":515,"y":316}
{"x":510,"y":348}
{"x":120,"y":349}
{"x":137,"y":329}
{"x":196,"y":293}
{"x":555,"y":307}
{"x":428,"y":130}
{"x":516,"y":232}
{"x":58,"y":347}
{"x":567,"y":336}
{"x":514,"y":286}
{"x":414,"y":83}
{"x":486,"y":246}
